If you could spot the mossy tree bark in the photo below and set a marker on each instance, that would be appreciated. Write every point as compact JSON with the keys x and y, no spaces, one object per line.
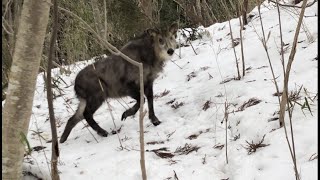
{"x":25,"y":64}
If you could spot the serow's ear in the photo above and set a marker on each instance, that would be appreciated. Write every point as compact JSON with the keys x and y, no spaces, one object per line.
{"x":173,"y":28}
{"x":152,"y":32}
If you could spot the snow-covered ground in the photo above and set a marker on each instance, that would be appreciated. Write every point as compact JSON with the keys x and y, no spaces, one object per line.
{"x":195,"y":81}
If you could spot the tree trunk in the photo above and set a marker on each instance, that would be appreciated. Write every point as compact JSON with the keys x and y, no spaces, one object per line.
{"x":26,"y":60}
{"x":196,"y":11}
{"x":150,"y":9}
{"x":97,"y":18}
{"x":244,"y":12}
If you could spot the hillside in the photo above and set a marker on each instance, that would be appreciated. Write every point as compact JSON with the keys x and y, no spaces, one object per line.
{"x":190,"y":101}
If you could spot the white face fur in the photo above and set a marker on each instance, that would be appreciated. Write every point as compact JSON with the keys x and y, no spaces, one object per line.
{"x":166,"y":42}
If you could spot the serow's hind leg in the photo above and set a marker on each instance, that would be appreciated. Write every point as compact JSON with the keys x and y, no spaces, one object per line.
{"x":88,"y":115}
{"x":73,"y":121}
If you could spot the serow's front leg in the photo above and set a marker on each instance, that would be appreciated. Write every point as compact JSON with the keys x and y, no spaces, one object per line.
{"x":149,"y":94}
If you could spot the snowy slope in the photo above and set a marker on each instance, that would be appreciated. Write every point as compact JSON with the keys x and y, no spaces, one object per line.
{"x":83,"y":158}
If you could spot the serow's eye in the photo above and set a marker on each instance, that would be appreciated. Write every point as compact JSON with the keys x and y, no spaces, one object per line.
{"x":160,"y":41}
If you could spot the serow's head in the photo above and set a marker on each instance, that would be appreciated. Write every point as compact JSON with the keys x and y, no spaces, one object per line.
{"x":164,"y":41}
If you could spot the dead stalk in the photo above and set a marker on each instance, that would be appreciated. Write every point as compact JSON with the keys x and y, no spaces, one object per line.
{"x":226,"y":120}
{"x":284,"y":98}
{"x":281,"y":40}
{"x":232,"y":39}
{"x":264,"y":43}
{"x":55,"y":144}
{"x":241,"y":41}
{"x":282,"y":60}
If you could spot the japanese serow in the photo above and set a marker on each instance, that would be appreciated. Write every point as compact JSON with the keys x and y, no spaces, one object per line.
{"x":120,"y":78}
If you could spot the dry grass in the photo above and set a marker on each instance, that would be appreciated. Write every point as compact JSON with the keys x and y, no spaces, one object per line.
{"x":206,"y":105}
{"x":252,"y":147}
{"x":164,"y":93}
{"x":250,"y":102}
{"x":186,"y":149}
{"x":191,"y":75}
{"x":218,"y":146}
{"x":155,"y":142}
{"x":195,"y":135}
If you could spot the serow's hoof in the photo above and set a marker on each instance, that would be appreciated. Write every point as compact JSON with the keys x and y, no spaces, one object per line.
{"x":155,"y":121}
{"x":124,"y":116}
{"x":103,"y":133}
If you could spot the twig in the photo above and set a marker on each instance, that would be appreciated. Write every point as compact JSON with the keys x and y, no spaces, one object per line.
{"x":175,"y":175}
{"x":192,"y":46}
{"x":176,"y":64}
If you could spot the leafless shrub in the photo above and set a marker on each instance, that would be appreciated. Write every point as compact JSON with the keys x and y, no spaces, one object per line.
{"x":294,"y":96}
{"x":188,"y":148}
{"x":250,"y":102}
{"x":252,"y":147}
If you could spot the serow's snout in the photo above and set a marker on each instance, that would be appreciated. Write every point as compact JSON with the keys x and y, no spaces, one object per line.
{"x":170,"y":51}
